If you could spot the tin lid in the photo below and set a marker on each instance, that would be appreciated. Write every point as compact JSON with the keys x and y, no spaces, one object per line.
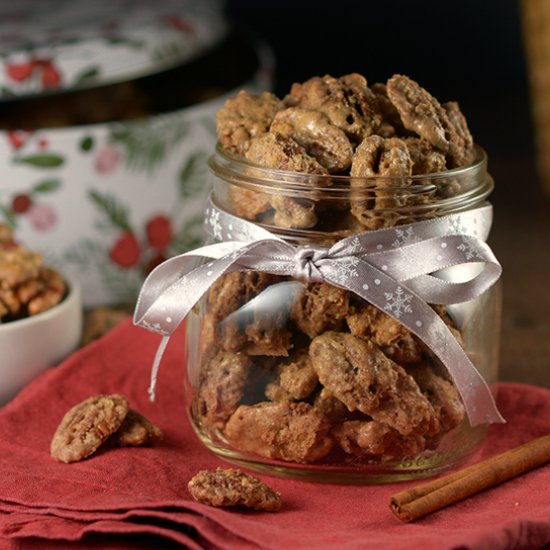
{"x":56,"y":45}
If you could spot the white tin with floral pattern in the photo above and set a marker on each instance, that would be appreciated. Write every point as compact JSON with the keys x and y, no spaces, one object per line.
{"x":106,"y":202}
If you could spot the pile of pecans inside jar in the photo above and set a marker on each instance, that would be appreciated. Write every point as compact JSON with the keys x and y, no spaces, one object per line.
{"x":27,"y":286}
{"x":318,"y":374}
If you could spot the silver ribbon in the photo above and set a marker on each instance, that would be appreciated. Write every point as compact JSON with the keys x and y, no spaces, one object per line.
{"x":400,"y":270}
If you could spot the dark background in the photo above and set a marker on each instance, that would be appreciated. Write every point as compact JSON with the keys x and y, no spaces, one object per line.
{"x":464,"y":50}
{"x":470,"y":51}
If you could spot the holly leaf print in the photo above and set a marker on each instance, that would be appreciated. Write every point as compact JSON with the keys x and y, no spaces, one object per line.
{"x":116,"y":213}
{"x":41,"y":160}
{"x":9,"y":218}
{"x":46,"y":186}
{"x":193,"y":174}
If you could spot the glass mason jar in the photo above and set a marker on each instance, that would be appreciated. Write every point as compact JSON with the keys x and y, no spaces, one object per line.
{"x":306,"y":379}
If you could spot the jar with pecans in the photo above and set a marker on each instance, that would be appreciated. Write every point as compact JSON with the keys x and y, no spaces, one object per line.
{"x":348,"y":329}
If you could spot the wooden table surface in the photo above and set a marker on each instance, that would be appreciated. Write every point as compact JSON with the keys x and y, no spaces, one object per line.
{"x":521,"y":241}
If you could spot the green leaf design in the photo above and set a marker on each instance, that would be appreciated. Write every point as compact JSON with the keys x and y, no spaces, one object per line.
{"x":86,"y":143}
{"x":46,"y":186}
{"x":41,"y":160}
{"x":189,"y":236}
{"x":115,"y":212}
{"x":147,"y":143}
{"x":193,"y":174}
{"x":87,"y":74}
{"x":9,"y":218}
{"x":5,"y":92}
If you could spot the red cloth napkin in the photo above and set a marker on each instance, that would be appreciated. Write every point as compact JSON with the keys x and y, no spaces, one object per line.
{"x":137,"y":497}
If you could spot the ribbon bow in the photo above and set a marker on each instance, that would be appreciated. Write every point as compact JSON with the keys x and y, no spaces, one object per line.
{"x":400,"y":270}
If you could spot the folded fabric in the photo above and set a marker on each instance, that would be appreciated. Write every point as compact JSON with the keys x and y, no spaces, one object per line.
{"x":126,"y":497}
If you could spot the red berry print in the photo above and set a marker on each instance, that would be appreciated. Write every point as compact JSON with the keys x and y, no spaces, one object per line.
{"x":50,"y":77}
{"x":20,"y":71}
{"x":159,"y":232}
{"x":21,"y":203}
{"x":17,"y":138}
{"x":125,"y":252}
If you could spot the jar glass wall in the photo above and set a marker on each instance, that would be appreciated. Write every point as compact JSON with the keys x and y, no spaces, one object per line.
{"x":306,"y":379}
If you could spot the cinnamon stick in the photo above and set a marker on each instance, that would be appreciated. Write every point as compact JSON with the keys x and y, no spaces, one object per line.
{"x":433,"y":496}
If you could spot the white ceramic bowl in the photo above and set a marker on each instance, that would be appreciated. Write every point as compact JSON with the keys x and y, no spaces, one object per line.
{"x":29,"y":346}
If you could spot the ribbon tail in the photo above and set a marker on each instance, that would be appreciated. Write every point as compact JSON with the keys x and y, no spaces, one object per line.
{"x":155,"y":367}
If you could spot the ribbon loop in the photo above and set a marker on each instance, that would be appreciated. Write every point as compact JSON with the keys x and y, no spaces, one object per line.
{"x":400,"y":270}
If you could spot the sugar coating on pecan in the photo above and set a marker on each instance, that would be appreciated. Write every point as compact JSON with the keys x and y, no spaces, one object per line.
{"x":441,"y":393}
{"x":347,"y":101}
{"x":358,"y":373}
{"x":373,"y":201}
{"x":244,"y":117}
{"x":18,"y":265}
{"x":320,"y":307}
{"x":221,"y":387}
{"x":426,"y":159}
{"x":231,"y":487}
{"x":296,"y":379}
{"x":423,"y":114}
{"x":396,"y":341}
{"x":317,"y":135}
{"x":369,"y":437}
{"x":86,"y":426}
{"x":281,"y":430}
{"x":458,"y":120}
{"x":248,"y":203}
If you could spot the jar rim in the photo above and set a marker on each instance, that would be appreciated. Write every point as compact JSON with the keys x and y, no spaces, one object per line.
{"x":237,"y":169}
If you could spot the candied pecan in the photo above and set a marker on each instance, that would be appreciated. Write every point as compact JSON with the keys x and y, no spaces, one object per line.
{"x":231,"y":487}
{"x":369,"y":437}
{"x":247,"y":203}
{"x":358,"y":373}
{"x":441,"y":393}
{"x":377,"y":156}
{"x":390,"y":114}
{"x":317,"y":135}
{"x":461,"y":126}
{"x":243,"y":117}
{"x":296,"y":379}
{"x":86,"y":426}
{"x":293,"y":213}
{"x":221,"y":387}
{"x":423,"y":114}
{"x":10,"y":301}
{"x":387,"y":158}
{"x":397,"y":342}
{"x":135,"y":431}
{"x":259,"y":326}
{"x":320,"y":307}
{"x":235,"y":289}
{"x":330,"y":407}
{"x":281,"y":152}
{"x":347,"y":101}
{"x":282,"y":430}
{"x":425,"y":158}
{"x":49,"y":291}
{"x":17,"y":265}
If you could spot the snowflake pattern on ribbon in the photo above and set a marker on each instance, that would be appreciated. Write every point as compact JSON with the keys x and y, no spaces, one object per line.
{"x":345,"y":269}
{"x":398,"y":302}
{"x":455,"y":226}
{"x":404,"y":237}
{"x":469,"y":251}
{"x":213,"y":220}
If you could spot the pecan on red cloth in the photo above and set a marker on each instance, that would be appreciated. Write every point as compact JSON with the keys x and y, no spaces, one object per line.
{"x":137,"y":497}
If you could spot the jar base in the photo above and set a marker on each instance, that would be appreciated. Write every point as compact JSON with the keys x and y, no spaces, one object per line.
{"x":427,"y":464}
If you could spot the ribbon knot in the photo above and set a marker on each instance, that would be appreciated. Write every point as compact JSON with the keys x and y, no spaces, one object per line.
{"x":306,"y":263}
